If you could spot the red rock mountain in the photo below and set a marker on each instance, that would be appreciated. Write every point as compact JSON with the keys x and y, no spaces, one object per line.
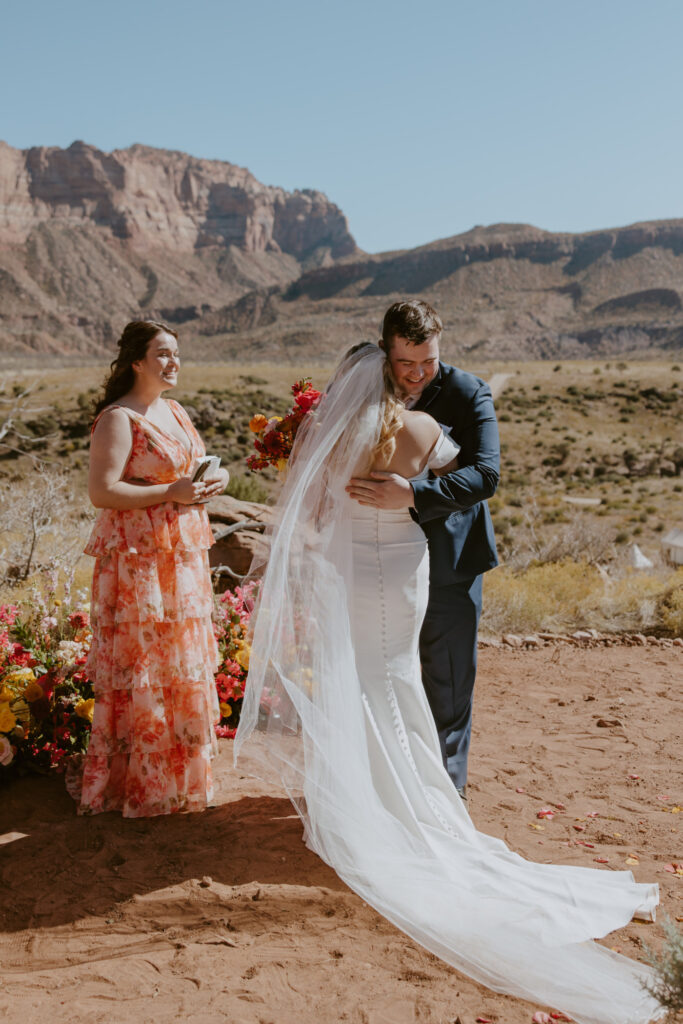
{"x":89,"y":240}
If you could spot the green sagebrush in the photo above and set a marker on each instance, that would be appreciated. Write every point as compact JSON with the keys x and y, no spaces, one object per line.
{"x":667,"y":987}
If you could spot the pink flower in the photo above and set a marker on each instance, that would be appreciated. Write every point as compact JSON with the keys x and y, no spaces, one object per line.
{"x":9,"y":613}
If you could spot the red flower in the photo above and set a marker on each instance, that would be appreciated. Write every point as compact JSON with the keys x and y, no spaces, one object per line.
{"x":20,"y":656}
{"x":307,"y":398}
{"x":79,"y":620}
{"x":47,"y":683}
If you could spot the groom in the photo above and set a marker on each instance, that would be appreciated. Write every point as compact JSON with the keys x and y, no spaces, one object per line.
{"x":453,"y":513}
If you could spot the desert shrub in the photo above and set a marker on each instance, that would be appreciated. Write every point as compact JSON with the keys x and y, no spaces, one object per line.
{"x":668,"y":967}
{"x":670,"y":606}
{"x":37,"y":525}
{"x":551,"y":596}
{"x":582,"y":540}
{"x":247,"y":488}
{"x":635,"y":601}
{"x":570,"y":595}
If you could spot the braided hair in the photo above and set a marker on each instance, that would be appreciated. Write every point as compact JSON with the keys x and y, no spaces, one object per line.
{"x":133,"y":345}
{"x":392,"y":411}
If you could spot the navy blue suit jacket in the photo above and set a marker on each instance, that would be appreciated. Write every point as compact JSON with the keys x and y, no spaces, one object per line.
{"x":452,"y":509}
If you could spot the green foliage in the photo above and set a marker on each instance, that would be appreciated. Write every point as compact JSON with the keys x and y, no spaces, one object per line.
{"x":247,"y":488}
{"x":667,"y":988}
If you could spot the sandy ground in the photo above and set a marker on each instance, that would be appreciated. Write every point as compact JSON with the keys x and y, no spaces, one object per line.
{"x":226,"y":916}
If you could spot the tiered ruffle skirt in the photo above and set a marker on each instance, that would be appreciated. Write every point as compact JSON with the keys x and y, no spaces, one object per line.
{"x":152,"y":663}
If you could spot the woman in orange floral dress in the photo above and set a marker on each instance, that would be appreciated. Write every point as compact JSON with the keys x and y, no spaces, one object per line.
{"x":153,"y":653}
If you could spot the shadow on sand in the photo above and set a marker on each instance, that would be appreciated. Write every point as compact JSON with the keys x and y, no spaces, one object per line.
{"x":68,"y":867}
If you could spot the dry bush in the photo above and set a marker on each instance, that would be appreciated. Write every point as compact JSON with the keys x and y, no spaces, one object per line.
{"x":551,"y":596}
{"x":584,"y":539}
{"x":568,"y":595}
{"x":668,"y":966}
{"x":670,"y":606}
{"x":37,"y":525}
{"x":14,"y":407}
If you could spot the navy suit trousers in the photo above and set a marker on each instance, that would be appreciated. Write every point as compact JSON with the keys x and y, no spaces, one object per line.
{"x":448,"y":652}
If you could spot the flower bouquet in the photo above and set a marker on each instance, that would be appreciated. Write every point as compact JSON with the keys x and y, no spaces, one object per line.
{"x":46,"y":699}
{"x":275,"y":436}
{"x":234,"y":612}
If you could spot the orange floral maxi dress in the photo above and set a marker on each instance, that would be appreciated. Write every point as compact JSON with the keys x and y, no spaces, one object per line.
{"x":154,"y":653}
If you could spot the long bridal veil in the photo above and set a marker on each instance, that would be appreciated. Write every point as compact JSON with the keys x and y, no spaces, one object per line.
{"x":515,"y":926}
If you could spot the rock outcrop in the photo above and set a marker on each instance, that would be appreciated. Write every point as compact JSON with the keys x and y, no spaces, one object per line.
{"x":89,"y":240}
{"x":158,"y":198}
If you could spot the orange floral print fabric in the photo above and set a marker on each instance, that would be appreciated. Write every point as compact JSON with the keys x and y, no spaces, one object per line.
{"x":154,"y":653}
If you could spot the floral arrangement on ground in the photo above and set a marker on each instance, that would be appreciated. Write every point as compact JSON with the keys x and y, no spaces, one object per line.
{"x":46,"y":698}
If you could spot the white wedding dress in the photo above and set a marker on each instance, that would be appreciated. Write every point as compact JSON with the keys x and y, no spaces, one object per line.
{"x":336,"y":708}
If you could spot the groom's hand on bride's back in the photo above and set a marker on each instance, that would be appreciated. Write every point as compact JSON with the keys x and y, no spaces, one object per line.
{"x":381,"y":490}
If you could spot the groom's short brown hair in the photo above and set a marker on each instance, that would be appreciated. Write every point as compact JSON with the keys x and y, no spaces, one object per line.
{"x":413,"y":319}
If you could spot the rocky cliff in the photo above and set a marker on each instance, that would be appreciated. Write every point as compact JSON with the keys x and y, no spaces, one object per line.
{"x":89,"y":240}
{"x":160,"y":199}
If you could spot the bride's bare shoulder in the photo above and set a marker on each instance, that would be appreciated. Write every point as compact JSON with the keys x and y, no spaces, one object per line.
{"x":421,"y":425}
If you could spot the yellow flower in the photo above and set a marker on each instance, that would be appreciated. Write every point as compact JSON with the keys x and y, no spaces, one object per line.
{"x":242,"y":657}
{"x":33,"y":692}
{"x":281,"y":465}
{"x":18,"y":676}
{"x":85,"y":709}
{"x":7,"y":718}
{"x":6,"y":694}
{"x":57,"y":603}
{"x":226,"y":710}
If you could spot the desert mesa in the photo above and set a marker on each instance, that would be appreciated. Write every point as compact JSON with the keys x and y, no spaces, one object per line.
{"x":89,"y":240}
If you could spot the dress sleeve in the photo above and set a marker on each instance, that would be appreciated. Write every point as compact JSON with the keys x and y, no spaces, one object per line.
{"x":443,"y":452}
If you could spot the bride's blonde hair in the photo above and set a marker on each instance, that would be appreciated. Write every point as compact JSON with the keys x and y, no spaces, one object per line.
{"x":392,"y":412}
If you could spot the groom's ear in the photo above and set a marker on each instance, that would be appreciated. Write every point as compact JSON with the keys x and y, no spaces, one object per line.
{"x":382,"y":345}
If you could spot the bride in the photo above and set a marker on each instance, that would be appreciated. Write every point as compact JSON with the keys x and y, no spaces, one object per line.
{"x":335,"y":711}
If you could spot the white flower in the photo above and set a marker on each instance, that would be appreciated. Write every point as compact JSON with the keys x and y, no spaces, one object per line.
{"x":68,"y":651}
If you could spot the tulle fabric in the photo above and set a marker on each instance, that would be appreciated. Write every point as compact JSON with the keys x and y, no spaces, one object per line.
{"x":153,"y":654}
{"x":334,"y":710}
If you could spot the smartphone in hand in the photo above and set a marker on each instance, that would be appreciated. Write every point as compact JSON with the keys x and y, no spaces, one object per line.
{"x":206,"y":467}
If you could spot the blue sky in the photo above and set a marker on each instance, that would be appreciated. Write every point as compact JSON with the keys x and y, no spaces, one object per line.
{"x":419,"y":119}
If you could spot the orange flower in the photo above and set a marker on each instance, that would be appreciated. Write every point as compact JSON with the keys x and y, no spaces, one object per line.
{"x":258,"y":423}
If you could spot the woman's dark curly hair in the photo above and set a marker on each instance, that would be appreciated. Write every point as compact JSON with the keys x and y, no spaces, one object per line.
{"x":133,"y":345}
